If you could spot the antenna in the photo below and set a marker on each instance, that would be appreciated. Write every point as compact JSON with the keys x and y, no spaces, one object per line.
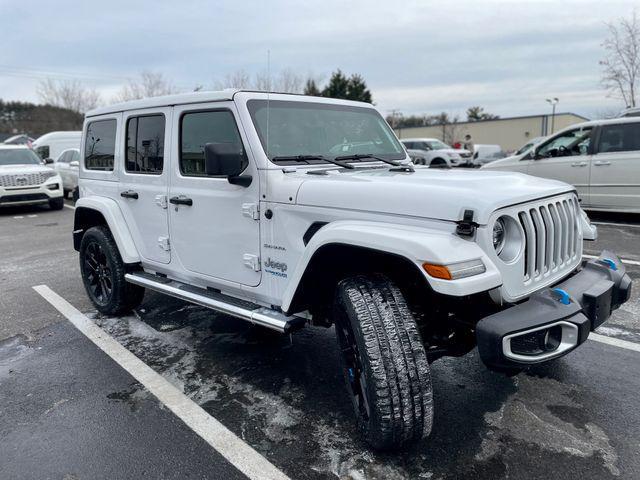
{"x":268,"y":90}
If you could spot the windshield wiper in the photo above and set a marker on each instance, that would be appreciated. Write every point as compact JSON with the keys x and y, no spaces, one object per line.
{"x":307,"y":158}
{"x":361,"y":156}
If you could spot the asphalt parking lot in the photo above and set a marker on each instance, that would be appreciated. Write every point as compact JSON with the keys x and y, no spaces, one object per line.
{"x":70,"y":411}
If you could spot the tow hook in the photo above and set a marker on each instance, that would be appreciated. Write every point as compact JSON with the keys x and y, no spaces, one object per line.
{"x":563,"y":296}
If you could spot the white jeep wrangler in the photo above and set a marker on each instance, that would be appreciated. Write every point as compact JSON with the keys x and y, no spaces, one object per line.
{"x":284,"y":210}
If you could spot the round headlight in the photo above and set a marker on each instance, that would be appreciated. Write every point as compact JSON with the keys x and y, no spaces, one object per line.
{"x":499,"y":235}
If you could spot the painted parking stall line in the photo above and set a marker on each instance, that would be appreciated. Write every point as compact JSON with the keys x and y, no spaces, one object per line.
{"x":69,"y":206}
{"x":623,"y":260}
{"x":616,"y":342}
{"x":231,"y":447}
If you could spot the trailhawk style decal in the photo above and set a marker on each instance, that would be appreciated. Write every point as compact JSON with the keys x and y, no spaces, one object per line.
{"x":270,"y":266}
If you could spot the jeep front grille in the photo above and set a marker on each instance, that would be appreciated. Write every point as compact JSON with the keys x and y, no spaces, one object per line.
{"x":23,"y":180}
{"x":552,"y":238}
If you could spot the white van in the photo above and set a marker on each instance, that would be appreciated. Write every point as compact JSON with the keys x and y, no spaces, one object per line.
{"x":52,"y":144}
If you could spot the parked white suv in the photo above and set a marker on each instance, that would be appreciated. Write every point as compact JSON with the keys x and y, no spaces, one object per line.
{"x":434,"y":153}
{"x":24,"y":180}
{"x":600,"y":158}
{"x":67,"y":165}
{"x":284,"y":210}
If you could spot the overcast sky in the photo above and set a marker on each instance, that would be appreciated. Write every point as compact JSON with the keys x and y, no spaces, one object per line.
{"x":416,"y":56}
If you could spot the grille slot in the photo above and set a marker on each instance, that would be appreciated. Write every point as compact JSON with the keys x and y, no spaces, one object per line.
{"x":22,"y":180}
{"x":551,"y":237}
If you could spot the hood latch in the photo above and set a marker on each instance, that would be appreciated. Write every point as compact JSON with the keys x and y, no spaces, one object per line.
{"x":467,"y":227}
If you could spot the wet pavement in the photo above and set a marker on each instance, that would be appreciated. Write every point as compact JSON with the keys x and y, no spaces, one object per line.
{"x":71,"y":412}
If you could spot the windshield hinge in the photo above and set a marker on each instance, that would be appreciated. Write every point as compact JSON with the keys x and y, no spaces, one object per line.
{"x":467,"y":227}
{"x":251,"y":210}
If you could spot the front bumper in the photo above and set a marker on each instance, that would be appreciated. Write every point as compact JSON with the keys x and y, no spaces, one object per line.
{"x":33,"y":194}
{"x":555,"y":320}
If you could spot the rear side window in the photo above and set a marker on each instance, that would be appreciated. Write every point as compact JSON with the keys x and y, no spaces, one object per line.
{"x":619,"y":138}
{"x":100,"y":145}
{"x":199,"y":128}
{"x":145,"y":144}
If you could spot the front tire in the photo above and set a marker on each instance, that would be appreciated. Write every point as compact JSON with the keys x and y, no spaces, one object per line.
{"x":384,"y":362}
{"x":103,"y":273}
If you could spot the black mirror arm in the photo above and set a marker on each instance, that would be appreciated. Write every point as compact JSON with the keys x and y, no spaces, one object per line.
{"x":242,"y":180}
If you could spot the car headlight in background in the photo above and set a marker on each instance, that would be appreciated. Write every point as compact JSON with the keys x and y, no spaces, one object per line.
{"x":499,"y":235}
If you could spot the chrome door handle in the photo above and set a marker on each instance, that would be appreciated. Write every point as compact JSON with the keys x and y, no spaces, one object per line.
{"x":579,"y":164}
{"x":600,"y":163}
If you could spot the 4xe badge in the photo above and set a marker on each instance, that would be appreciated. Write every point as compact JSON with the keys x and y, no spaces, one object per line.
{"x":276,"y":268}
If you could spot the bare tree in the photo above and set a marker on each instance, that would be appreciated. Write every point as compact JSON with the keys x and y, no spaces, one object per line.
{"x":621,"y":67}
{"x":69,"y":94}
{"x":149,"y":84}
{"x":287,"y":81}
{"x":237,"y":79}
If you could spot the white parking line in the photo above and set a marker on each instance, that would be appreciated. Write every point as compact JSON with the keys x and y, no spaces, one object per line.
{"x":69,"y":206}
{"x":225,"y":442}
{"x":623,"y":260}
{"x":611,"y":224}
{"x":616,"y":342}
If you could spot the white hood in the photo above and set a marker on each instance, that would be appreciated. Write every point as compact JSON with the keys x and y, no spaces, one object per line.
{"x":428,"y":193}
{"x":27,"y":168}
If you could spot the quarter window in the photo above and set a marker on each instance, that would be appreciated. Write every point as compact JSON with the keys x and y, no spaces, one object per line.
{"x":100,"y":145}
{"x":619,"y":138}
{"x":199,"y":128}
{"x":145,"y":144}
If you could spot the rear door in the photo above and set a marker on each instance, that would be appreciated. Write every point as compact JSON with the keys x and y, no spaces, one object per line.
{"x":566,"y":157}
{"x":62,"y":167}
{"x":144,"y":180}
{"x":615,"y":167}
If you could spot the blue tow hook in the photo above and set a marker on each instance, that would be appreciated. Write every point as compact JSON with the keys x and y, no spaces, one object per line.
{"x":352,"y":375}
{"x":564,"y":299}
{"x":611,"y":263}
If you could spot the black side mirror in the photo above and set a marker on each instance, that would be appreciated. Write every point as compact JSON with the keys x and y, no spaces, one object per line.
{"x":47,"y":161}
{"x":226,"y":160}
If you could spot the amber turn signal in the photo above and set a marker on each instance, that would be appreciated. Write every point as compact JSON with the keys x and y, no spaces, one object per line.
{"x":437,"y":271}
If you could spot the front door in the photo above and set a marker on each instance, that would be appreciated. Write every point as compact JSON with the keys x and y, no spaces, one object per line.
{"x":615,"y":167}
{"x":144,"y":181}
{"x":214,"y":224}
{"x":565,"y":157}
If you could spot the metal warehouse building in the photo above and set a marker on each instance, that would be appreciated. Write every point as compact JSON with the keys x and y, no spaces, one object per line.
{"x":509,"y":133}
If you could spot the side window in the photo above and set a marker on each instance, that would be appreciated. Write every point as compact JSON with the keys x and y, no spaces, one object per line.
{"x":64,"y":157}
{"x":145,"y":144}
{"x":100,"y":145}
{"x":199,"y":128}
{"x":408,"y":145}
{"x":624,"y":137}
{"x":573,"y":142}
{"x":75,"y":156}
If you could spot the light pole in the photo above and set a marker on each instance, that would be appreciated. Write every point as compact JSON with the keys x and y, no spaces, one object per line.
{"x":553,"y":102}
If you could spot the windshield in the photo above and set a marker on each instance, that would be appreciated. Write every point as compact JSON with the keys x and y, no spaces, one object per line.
{"x":438,"y":145}
{"x":18,"y":156}
{"x":322,"y":130}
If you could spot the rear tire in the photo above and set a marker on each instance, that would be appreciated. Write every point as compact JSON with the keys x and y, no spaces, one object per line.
{"x":103,"y":273}
{"x":384,"y":362}
{"x":56,"y":203}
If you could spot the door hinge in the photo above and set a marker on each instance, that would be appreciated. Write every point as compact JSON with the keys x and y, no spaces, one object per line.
{"x":161,"y":201}
{"x":164,"y":244}
{"x":251,"y":210}
{"x":251,"y":261}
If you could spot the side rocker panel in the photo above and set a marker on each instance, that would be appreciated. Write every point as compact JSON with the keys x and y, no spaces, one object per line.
{"x":115,"y":221}
{"x":418,"y":245}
